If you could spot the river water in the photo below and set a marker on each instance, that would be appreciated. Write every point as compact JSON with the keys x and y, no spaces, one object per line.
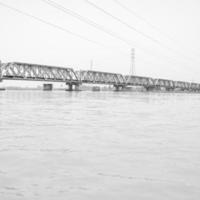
{"x":99,"y":145}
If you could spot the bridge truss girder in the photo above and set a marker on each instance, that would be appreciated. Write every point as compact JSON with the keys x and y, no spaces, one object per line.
{"x":97,"y":77}
{"x":35,"y":72}
{"x":139,"y":81}
{"x":161,"y":83}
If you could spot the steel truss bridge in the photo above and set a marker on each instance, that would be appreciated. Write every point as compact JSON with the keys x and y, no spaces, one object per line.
{"x":35,"y":72}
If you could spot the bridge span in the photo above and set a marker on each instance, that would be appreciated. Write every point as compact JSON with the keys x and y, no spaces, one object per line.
{"x":35,"y":72}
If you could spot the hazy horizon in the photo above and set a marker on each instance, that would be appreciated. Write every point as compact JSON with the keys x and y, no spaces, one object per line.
{"x":173,"y":24}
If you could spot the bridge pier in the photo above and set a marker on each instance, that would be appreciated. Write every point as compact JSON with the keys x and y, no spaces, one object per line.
{"x":119,"y":87}
{"x":150,"y":88}
{"x":169,"y":89}
{"x":47,"y":87}
{"x":116,"y":88}
{"x":96,"y":88}
{"x":1,"y":88}
{"x":72,"y":87}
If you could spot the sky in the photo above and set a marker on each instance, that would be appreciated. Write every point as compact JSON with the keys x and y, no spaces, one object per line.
{"x":164,"y":34}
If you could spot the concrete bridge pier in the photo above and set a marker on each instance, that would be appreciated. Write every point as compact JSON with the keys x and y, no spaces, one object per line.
{"x":72,"y":87}
{"x":169,"y":89}
{"x":149,"y":88}
{"x":119,"y":87}
{"x":1,"y":86}
{"x":153,"y":88}
{"x":47,"y":87}
{"x":183,"y":90}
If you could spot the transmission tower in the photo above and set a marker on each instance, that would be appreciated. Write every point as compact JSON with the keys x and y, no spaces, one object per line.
{"x":91,"y":64}
{"x":132,"y":66}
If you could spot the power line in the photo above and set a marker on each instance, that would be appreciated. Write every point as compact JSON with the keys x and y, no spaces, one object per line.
{"x":49,"y":23}
{"x":91,"y":23}
{"x":60,"y":27}
{"x":143,"y":19}
{"x":131,"y":11}
{"x":136,"y":30}
{"x":86,"y":20}
{"x":53,"y":25}
{"x":123,"y":22}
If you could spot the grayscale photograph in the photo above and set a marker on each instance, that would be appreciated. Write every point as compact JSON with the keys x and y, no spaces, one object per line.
{"x":99,"y":100}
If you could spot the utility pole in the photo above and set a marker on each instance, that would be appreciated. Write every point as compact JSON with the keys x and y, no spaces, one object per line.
{"x":132,"y":67}
{"x":91,"y":65}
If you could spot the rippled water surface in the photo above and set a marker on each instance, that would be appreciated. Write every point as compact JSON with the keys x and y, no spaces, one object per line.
{"x":99,"y":145}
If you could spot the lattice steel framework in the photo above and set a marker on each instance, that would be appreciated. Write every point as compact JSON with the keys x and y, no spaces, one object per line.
{"x":34,"y":72}
{"x":139,"y":81}
{"x":162,"y":83}
{"x":96,"y":77}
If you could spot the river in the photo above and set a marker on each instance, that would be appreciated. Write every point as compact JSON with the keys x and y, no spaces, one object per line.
{"x":58,"y":145}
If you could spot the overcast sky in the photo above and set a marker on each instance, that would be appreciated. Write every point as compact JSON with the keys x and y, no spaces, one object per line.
{"x":166,"y":42}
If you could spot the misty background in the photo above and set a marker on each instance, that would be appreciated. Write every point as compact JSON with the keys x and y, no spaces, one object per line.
{"x":164,"y":34}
